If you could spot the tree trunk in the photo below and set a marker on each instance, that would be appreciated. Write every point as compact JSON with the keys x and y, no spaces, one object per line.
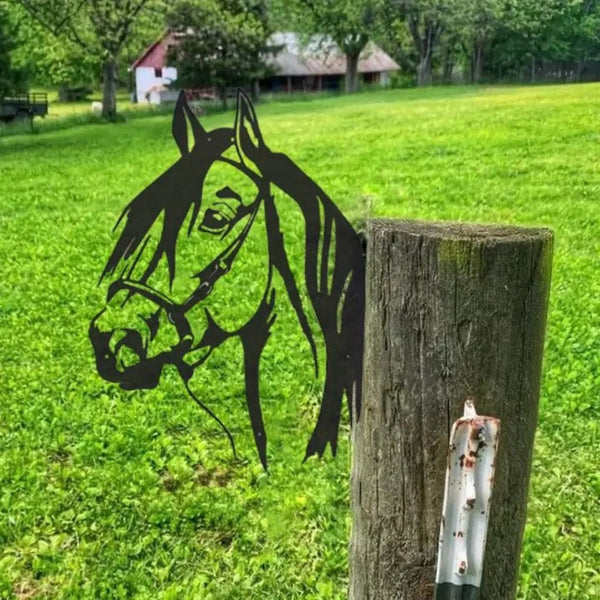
{"x":351,"y":79}
{"x":453,"y":311}
{"x":448,"y":65}
{"x":424,"y":77}
{"x":62,"y":92}
{"x":223,"y":96}
{"x":424,"y":45}
{"x":109,"y":89}
{"x":478,"y":65}
{"x":255,"y":90}
{"x":579,"y":71}
{"x":533,"y":68}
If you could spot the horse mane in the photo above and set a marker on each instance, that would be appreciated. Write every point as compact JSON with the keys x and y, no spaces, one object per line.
{"x":337,"y":300}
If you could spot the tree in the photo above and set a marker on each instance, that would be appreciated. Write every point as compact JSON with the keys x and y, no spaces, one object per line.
{"x":12,"y":79}
{"x":426,"y":21}
{"x":475,"y":25}
{"x":582,"y":21}
{"x":223,"y":43}
{"x":100,"y":27}
{"x":348,"y":22}
{"x":527,"y":34}
{"x":50,"y":61}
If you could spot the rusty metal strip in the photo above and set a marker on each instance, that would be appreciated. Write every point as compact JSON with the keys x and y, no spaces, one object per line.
{"x":467,"y":497}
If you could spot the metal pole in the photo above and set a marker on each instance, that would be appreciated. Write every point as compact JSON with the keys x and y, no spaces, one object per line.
{"x":466,"y":509}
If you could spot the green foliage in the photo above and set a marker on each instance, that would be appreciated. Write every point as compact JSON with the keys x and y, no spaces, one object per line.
{"x":99,"y":29}
{"x":108,"y":494}
{"x":491,"y":39}
{"x":424,"y":21}
{"x":349,"y":22}
{"x":223,"y":44}
{"x":12,"y":78}
{"x":53,"y":61}
{"x":399,"y":80}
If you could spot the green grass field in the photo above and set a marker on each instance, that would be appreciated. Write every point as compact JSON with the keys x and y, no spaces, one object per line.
{"x":108,"y":494}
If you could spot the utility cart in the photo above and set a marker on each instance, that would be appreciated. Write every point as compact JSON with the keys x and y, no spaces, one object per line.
{"x":23,"y":106}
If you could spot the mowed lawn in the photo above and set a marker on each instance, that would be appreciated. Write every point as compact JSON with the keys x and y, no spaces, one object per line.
{"x":112,"y":494}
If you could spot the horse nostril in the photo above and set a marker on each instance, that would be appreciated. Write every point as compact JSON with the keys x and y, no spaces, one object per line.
{"x":128,"y":348}
{"x":115,"y":340}
{"x":127,"y":357}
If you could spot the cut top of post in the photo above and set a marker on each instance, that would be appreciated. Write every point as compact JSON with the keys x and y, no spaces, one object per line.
{"x":461,"y":231}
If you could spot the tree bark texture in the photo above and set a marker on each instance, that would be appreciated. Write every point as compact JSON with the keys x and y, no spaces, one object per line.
{"x":425,"y":37}
{"x":453,"y":311}
{"x":109,"y":89}
{"x":351,"y":79}
{"x":447,"y":64}
{"x":477,"y":62}
{"x":424,"y":75}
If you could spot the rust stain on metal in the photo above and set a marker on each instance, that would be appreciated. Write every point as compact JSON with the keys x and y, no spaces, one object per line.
{"x":469,"y":481}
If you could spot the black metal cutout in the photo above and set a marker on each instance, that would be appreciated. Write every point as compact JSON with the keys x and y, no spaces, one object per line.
{"x":333,"y":273}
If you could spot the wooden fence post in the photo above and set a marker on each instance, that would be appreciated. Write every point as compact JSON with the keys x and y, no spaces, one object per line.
{"x":453,"y":311}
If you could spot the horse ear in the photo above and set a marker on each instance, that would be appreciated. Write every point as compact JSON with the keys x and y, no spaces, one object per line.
{"x":248,"y":138}
{"x":182,"y":116}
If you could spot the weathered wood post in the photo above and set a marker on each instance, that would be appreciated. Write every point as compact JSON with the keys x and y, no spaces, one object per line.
{"x":453,"y":311}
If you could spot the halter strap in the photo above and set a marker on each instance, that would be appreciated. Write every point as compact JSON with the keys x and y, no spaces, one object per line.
{"x":208,"y":277}
{"x":219,"y":266}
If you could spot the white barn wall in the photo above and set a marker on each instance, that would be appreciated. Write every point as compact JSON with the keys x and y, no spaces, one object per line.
{"x":145,"y":79}
{"x":169,"y":74}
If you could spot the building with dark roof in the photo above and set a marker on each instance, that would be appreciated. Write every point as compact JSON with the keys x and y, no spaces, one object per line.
{"x":301,"y":65}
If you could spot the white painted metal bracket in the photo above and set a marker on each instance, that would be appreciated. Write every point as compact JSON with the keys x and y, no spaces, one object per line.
{"x":465,"y":515}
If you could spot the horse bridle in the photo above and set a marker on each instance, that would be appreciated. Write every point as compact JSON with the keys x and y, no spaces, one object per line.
{"x":208,"y":277}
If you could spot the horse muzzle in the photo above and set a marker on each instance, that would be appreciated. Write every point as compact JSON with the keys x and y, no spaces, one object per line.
{"x":121,"y":356}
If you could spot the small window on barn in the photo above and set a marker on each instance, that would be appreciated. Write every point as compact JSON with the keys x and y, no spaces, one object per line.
{"x":157,"y":72}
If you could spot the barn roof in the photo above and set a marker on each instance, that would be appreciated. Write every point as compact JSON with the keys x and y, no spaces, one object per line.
{"x":318,"y":55}
{"x":155,"y":55}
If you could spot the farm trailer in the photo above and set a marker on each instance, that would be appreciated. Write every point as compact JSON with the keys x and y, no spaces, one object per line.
{"x":23,"y":106}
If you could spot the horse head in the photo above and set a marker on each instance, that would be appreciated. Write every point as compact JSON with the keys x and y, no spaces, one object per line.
{"x":183,"y":254}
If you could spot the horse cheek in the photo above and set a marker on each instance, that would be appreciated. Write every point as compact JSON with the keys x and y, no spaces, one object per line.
{"x":198,"y":320}
{"x":238,"y":295}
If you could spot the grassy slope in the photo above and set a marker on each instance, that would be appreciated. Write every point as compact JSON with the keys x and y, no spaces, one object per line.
{"x":113,"y":494}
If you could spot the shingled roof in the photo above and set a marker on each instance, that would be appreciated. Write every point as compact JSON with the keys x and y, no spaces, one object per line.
{"x":319,"y":55}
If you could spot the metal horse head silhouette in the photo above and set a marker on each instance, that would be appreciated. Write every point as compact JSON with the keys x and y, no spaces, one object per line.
{"x":227,"y":189}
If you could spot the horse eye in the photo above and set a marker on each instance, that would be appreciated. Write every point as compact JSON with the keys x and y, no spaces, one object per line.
{"x":214,"y":221}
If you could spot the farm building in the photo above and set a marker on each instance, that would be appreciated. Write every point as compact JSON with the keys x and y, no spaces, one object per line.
{"x":318,"y":64}
{"x":152,"y":74}
{"x":315,"y":65}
